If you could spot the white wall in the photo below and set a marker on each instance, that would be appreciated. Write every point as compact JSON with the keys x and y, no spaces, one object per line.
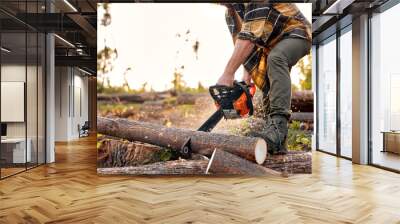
{"x":33,"y":126}
{"x":62,"y":81}
{"x":71,"y":102}
{"x":14,"y":73}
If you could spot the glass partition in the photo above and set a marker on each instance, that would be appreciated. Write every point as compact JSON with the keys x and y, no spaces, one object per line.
{"x":346,"y":92}
{"x":327,"y":95}
{"x":22,"y":101}
{"x":385,"y":89}
{"x":13,"y":94}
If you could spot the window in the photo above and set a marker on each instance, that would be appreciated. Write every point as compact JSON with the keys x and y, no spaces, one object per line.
{"x":327,"y":95}
{"x":385,"y":89}
{"x":346,"y":95}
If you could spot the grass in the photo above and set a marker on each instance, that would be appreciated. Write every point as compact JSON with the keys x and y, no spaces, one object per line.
{"x":117,"y":106}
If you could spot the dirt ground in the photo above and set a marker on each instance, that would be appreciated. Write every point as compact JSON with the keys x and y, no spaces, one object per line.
{"x":189,"y":116}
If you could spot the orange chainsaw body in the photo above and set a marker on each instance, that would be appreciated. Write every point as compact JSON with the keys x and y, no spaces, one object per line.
{"x":236,"y":106}
{"x":240,"y":104}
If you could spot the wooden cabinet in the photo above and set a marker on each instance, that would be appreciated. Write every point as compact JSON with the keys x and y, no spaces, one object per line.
{"x":391,"y":142}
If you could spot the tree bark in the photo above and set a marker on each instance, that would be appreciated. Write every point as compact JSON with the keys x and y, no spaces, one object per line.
{"x":118,"y":153}
{"x":302,"y":101}
{"x":187,"y":98}
{"x":133,"y":98}
{"x":122,"y":153}
{"x":225,"y":163}
{"x":176,"y":167}
{"x":253,"y":149}
{"x":294,"y":162}
{"x":302,"y":116}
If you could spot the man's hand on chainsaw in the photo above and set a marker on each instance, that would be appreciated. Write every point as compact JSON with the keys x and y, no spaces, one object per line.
{"x":226,"y":80}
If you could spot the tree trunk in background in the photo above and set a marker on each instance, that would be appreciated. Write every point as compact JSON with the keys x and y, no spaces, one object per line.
{"x":187,"y":98}
{"x":291,"y":163}
{"x":175,"y":167}
{"x":225,"y":163}
{"x":302,"y":101}
{"x":253,"y":149}
{"x":133,"y":98}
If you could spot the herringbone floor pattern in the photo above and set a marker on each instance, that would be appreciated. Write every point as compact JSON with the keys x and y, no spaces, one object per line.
{"x":70,"y":191}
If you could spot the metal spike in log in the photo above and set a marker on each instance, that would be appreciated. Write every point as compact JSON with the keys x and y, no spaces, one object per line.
{"x":250,"y":148}
{"x":225,"y":163}
{"x":175,"y":167}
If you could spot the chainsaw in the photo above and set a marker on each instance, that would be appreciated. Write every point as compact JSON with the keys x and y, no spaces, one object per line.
{"x":231,"y":102}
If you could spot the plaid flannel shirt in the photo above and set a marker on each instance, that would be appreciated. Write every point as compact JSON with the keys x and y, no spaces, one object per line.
{"x":265,"y":24}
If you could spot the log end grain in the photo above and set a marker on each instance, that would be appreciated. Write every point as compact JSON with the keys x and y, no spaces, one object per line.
{"x":260,"y":151}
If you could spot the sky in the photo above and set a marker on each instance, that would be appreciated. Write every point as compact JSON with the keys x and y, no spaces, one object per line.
{"x":145,"y":36}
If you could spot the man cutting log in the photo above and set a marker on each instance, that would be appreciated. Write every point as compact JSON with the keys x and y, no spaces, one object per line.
{"x":269,"y":39}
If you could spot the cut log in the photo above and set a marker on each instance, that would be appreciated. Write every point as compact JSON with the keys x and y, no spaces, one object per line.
{"x":120,"y":153}
{"x":294,"y":162}
{"x":302,"y":116}
{"x":302,"y":101}
{"x":133,"y":98}
{"x":253,"y":149}
{"x":225,"y":163}
{"x":176,"y":167}
{"x":117,"y":153}
{"x":187,"y":98}
{"x":303,"y":95}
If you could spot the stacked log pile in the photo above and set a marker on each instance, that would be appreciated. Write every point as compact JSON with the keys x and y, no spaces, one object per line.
{"x":140,"y":152}
{"x":302,"y":106}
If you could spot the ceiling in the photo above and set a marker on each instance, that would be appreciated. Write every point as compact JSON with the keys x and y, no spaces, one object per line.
{"x":330,"y":14}
{"x":73,"y":21}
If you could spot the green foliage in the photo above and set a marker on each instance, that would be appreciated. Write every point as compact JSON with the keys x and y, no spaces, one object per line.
{"x":117,"y":106}
{"x":295,"y":125}
{"x":201,"y":88}
{"x":193,"y":90}
{"x":170,"y":101}
{"x":178,"y":83}
{"x":165,"y":155}
{"x":305,"y":67}
{"x":105,"y":59}
{"x":299,"y":140}
{"x":106,"y":20}
{"x":168,"y":154}
{"x":103,"y":89}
